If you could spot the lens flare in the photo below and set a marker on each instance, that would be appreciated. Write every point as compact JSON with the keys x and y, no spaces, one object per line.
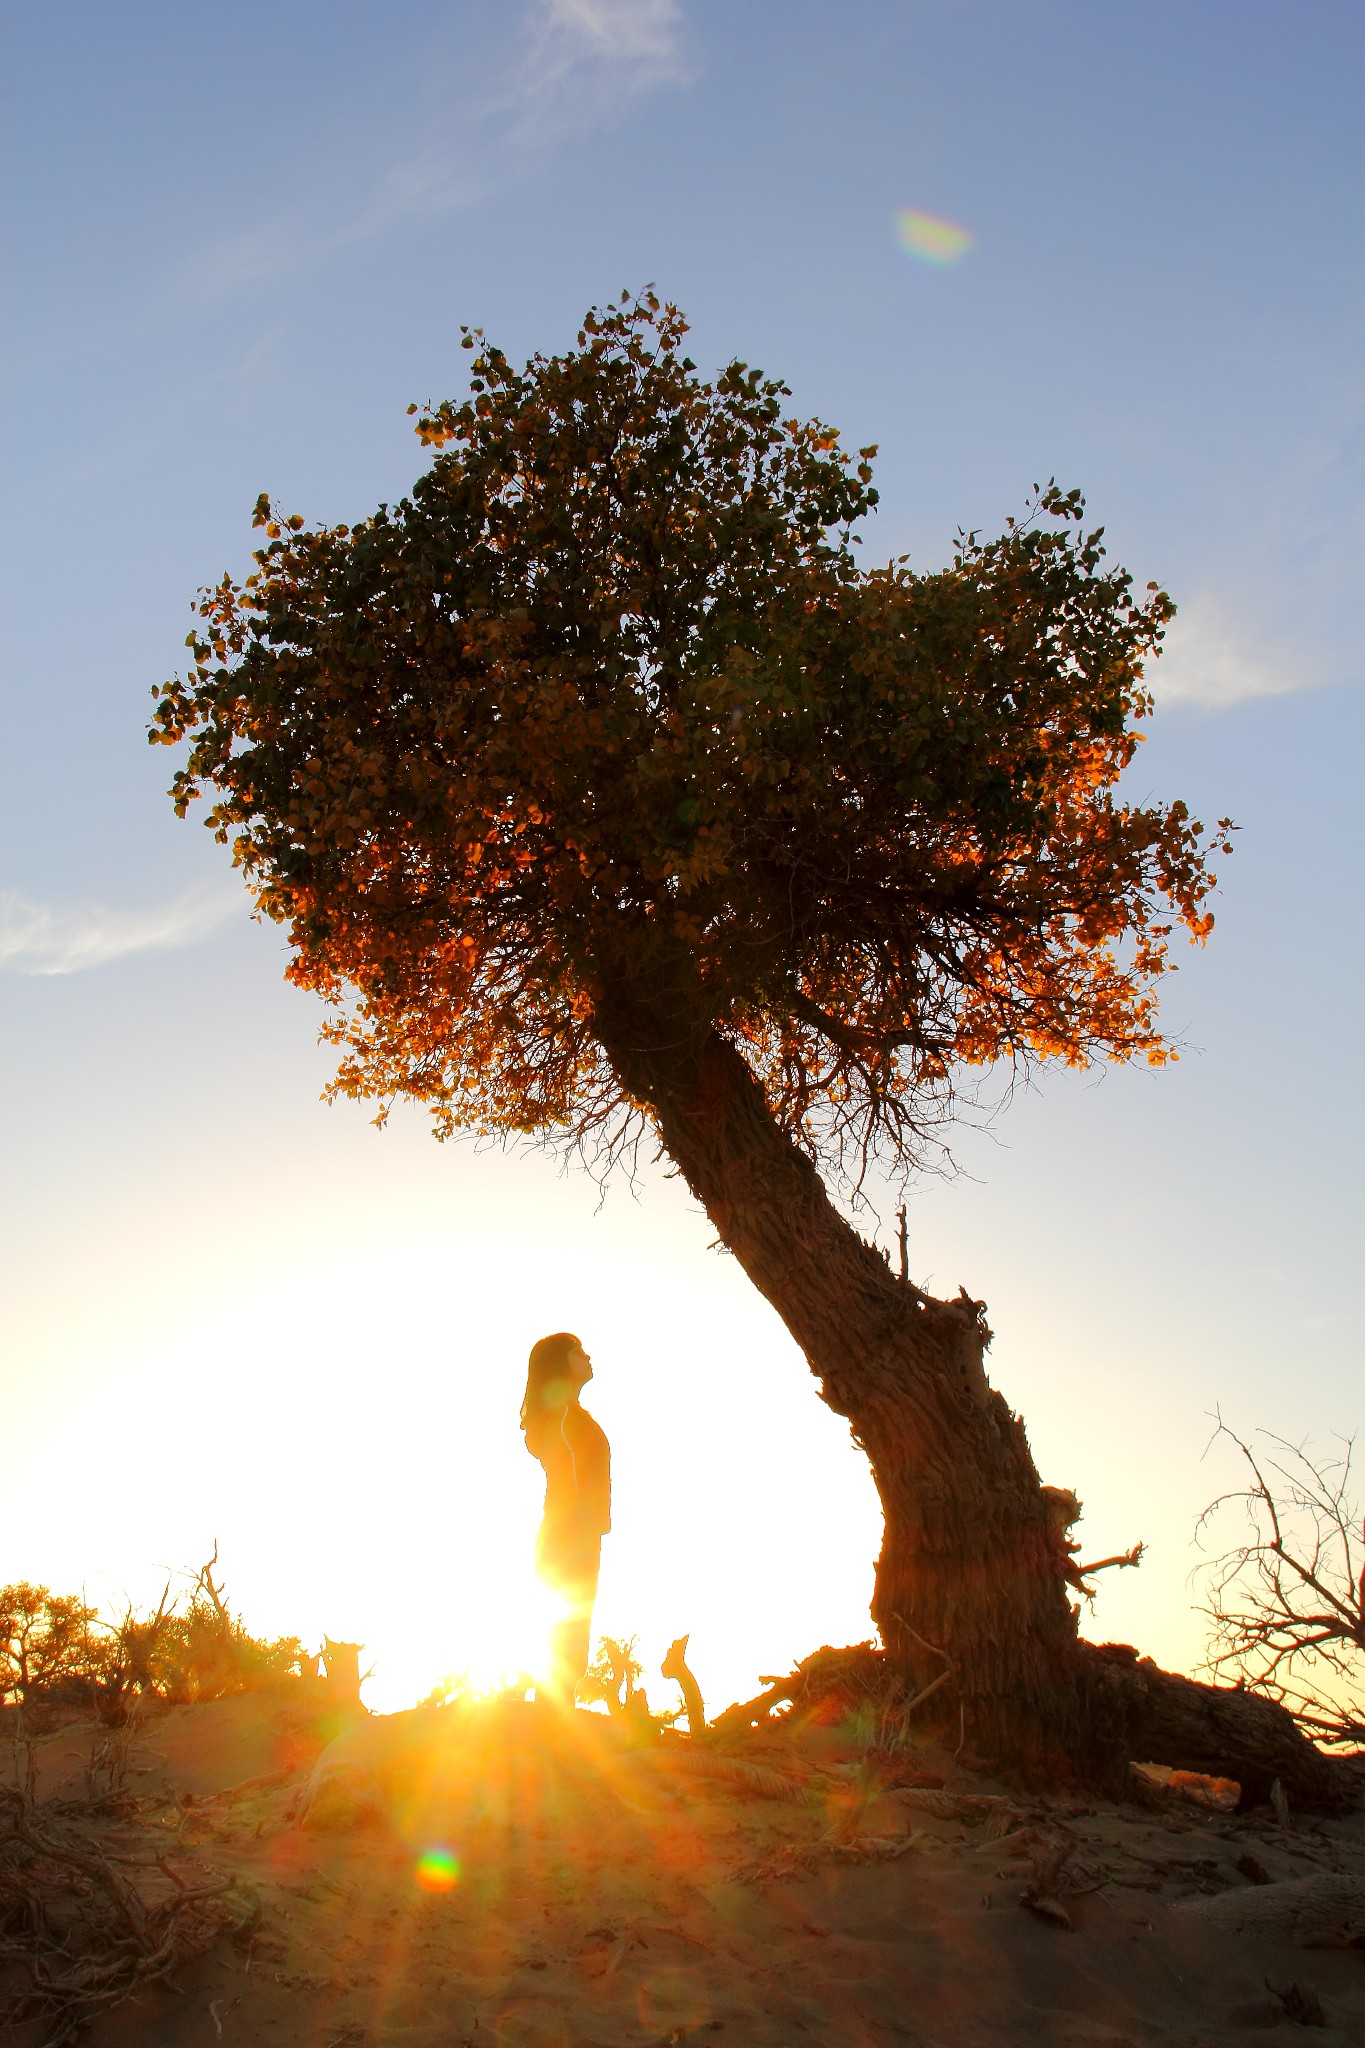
{"x":437,"y":1870}
{"x":930,"y":240}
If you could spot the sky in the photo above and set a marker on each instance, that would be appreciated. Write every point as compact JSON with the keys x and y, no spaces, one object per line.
{"x":240,"y":241}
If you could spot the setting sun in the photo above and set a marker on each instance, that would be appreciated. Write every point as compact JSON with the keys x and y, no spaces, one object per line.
{"x":505,"y":1647}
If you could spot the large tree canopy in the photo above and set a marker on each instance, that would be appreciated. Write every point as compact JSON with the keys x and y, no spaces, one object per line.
{"x":605,"y":730}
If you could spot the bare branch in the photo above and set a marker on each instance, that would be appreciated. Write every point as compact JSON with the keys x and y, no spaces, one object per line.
{"x":1103,"y":1564}
{"x":1287,"y":1602}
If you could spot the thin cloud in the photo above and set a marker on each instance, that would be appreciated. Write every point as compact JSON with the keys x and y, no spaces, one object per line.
{"x":39,"y":938}
{"x":579,"y":62}
{"x":636,"y":30}
{"x":1208,"y":662}
{"x":574,"y":65}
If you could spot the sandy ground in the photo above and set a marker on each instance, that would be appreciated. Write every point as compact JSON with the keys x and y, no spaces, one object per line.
{"x":607,"y":1897}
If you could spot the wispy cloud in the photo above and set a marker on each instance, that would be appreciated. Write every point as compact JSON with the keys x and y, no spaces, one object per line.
{"x":1209,"y":662}
{"x":571,"y":66}
{"x":575,"y":64}
{"x":646,"y":29}
{"x":40,"y":938}
{"x":639,"y":37}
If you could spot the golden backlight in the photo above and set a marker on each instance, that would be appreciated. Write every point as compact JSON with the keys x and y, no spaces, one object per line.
{"x":325,"y":1376}
{"x":502,"y":1649}
{"x":349,"y":1436}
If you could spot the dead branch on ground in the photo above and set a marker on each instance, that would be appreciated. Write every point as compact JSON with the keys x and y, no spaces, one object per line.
{"x":87,"y":1929}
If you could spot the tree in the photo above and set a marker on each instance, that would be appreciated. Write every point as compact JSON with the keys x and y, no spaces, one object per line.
{"x":44,"y":1640}
{"x":1287,"y":1602}
{"x":596,"y":782}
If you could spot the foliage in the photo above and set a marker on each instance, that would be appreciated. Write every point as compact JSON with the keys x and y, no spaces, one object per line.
{"x":1287,"y":1602}
{"x":52,"y":1644}
{"x":136,"y":1647}
{"x":204,"y":1656}
{"x":603,"y":738}
{"x":611,"y":1676}
{"x":206,"y":1652}
{"x":45,"y":1641}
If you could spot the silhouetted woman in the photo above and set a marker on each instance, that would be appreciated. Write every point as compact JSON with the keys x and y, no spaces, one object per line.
{"x":577,"y":1461}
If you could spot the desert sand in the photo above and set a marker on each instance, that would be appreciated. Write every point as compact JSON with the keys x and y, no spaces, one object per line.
{"x":495,"y":1874}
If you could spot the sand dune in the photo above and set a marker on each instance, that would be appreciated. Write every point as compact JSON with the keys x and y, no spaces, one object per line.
{"x":510,"y":1882}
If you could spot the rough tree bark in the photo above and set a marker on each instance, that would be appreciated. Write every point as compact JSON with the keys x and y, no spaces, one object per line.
{"x":972,"y":1568}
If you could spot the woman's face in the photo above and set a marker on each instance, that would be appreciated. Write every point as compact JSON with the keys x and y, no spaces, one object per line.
{"x":567,"y":1383}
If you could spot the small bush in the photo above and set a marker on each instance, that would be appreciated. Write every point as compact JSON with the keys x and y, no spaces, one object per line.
{"x":206,"y":1654}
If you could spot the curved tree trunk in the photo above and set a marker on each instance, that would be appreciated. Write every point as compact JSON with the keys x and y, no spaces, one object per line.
{"x":971,"y":1575}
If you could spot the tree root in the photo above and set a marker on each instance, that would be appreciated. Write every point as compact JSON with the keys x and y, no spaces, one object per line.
{"x":82,"y":1928}
{"x":1110,"y":1708}
{"x":1139,"y":1713}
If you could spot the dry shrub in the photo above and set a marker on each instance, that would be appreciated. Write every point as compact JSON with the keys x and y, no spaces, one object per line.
{"x":207,"y":1655}
{"x":56,"y":1652}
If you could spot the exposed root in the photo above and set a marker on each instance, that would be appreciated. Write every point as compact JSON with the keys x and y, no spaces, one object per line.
{"x":737,"y":1772}
{"x":1111,"y":1708}
{"x":87,"y":1930}
{"x":1136,"y":1711}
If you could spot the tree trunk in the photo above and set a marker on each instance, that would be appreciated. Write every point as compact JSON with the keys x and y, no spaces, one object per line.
{"x":970,"y":1576}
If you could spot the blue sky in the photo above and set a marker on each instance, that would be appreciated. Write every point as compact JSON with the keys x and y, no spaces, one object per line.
{"x":240,"y":241}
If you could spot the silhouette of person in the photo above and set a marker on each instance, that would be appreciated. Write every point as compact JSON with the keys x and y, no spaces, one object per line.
{"x":577,"y":1460}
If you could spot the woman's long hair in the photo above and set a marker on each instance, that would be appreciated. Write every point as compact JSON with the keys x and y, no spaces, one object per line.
{"x":548,"y":1362}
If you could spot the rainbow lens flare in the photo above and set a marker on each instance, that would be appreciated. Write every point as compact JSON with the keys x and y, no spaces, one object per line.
{"x":930,"y":240}
{"x":438,"y":1870}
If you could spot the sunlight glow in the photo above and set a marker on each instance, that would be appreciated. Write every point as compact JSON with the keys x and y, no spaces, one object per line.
{"x":359,"y":1372}
{"x":507,"y":1648}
